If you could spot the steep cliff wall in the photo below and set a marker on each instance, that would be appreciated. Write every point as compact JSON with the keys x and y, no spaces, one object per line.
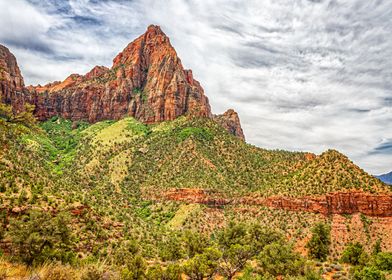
{"x":337,"y":203}
{"x":147,"y":81}
{"x":12,"y":88}
{"x":379,"y":205}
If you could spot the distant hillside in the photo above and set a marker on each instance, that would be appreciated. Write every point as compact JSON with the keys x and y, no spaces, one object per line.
{"x":386,"y":178}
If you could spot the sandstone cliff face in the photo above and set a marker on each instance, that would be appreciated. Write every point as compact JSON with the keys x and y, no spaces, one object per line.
{"x":11,"y":80}
{"x":337,"y":203}
{"x":147,"y":81}
{"x":350,"y":202}
{"x":231,"y":122}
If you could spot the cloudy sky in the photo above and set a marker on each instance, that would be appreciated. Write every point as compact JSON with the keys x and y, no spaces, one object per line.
{"x":302,"y":74}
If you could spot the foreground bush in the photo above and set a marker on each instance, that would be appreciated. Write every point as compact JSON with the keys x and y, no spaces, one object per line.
{"x":39,"y":237}
{"x":319,"y":243}
{"x":369,"y":273}
{"x":280,"y":259}
{"x":354,"y":254}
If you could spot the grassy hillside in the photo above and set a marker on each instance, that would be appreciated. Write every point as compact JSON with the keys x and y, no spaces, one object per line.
{"x":197,"y":153}
{"x":98,"y":181}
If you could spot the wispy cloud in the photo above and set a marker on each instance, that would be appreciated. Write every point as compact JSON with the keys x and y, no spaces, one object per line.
{"x":303,"y":75}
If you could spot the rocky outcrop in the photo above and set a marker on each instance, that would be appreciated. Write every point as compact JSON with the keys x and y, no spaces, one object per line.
{"x":231,"y":122}
{"x":11,"y":80}
{"x":199,"y":196}
{"x":350,"y":202}
{"x":337,"y":203}
{"x":147,"y":81}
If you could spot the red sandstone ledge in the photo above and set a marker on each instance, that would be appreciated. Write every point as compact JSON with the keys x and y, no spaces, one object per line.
{"x":349,"y":202}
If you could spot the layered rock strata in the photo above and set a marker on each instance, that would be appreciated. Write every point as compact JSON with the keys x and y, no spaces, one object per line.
{"x":350,"y":202}
{"x":146,"y":81}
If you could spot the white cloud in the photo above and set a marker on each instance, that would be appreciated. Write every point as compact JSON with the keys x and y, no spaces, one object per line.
{"x":303,"y":75}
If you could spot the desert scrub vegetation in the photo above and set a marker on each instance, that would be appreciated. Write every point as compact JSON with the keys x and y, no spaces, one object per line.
{"x":227,"y":252}
{"x":378,"y":265}
{"x":188,"y":152}
{"x":84,"y":194}
{"x":236,"y":251}
{"x":318,"y":245}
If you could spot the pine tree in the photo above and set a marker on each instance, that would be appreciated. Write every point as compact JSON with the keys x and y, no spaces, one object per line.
{"x":319,"y":243}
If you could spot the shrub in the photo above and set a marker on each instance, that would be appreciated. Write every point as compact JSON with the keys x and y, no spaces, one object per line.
{"x":354,"y":254}
{"x":279,"y":258}
{"x":260,"y":236}
{"x":369,"y":273}
{"x":93,"y":272}
{"x":233,"y":242}
{"x":171,"y":249}
{"x":135,"y":269}
{"x":40,"y":237}
{"x":157,"y":272}
{"x":196,"y":132}
{"x":383,"y":261}
{"x":203,"y":265}
{"x":377,"y":247}
{"x":194,"y":243}
{"x":126,"y":252}
{"x":319,"y":243}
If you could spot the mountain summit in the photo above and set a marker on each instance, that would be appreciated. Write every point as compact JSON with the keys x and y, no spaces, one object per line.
{"x":147,"y":81}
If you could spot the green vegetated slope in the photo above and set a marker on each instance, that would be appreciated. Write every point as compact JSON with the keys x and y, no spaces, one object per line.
{"x":99,"y":179}
{"x":128,"y":157}
{"x":197,"y":153}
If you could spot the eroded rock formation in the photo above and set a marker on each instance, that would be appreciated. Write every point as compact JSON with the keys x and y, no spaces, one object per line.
{"x":11,"y":80}
{"x":199,"y":196}
{"x":349,"y":202}
{"x":231,"y":122}
{"x":337,"y":203}
{"x":147,"y":81}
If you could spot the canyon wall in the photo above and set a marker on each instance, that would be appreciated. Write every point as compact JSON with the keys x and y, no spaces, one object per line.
{"x":350,"y":202}
{"x":146,"y":81}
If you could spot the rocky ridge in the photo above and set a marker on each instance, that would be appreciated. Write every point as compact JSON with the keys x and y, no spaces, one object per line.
{"x":231,"y":122}
{"x":146,"y":81}
{"x":11,"y":80}
{"x":343,"y":203}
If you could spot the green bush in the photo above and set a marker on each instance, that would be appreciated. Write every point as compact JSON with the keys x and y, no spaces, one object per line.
{"x":233,"y":242}
{"x":158,"y":272}
{"x":279,"y":259}
{"x":126,"y":252}
{"x":260,"y":236}
{"x":319,"y":243}
{"x":377,"y":247}
{"x":93,"y":272}
{"x":135,"y":269}
{"x":369,"y":273}
{"x":194,"y":243}
{"x":196,"y":132}
{"x":171,"y":249}
{"x":40,"y":237}
{"x":203,"y":265}
{"x":354,"y":254}
{"x":383,"y":261}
